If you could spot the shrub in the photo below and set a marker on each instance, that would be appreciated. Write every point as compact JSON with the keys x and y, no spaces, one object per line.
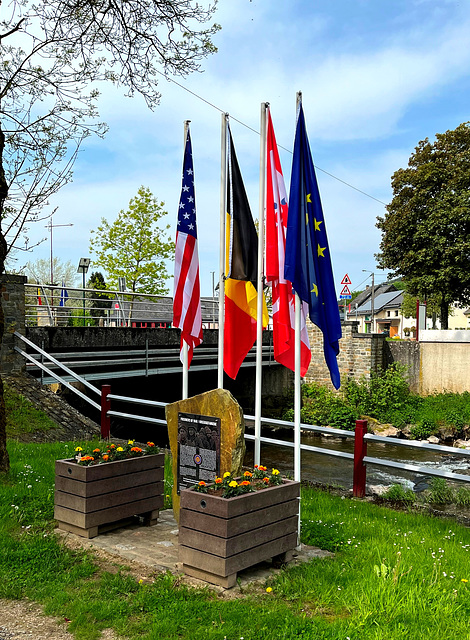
{"x":398,"y":493}
{"x":440,"y":492}
{"x":423,"y":429}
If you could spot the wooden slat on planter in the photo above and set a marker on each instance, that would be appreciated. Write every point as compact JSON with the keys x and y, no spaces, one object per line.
{"x":85,"y":520}
{"x":227,"y":566}
{"x":107,"y":485}
{"x":225,"y":528}
{"x":70,"y":469}
{"x":226,"y":547}
{"x":245,"y":503}
{"x":107,"y":500}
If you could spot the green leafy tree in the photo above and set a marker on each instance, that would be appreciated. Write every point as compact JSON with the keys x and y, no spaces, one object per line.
{"x":426,"y":230}
{"x":54,"y":54}
{"x":99,"y":302}
{"x":134,"y":247}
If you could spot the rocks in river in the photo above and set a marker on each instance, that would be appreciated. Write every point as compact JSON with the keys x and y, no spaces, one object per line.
{"x":462,"y":444}
{"x":433,"y":440}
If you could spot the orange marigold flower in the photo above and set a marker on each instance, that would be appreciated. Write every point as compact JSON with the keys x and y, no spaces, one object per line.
{"x":256,"y":466}
{"x":96,"y":450}
{"x":202,"y":484}
{"x":266,"y":480}
{"x":105,"y":457}
{"x":262,"y":468}
{"x":247,"y":474}
{"x":150,"y":444}
{"x":218,"y":480}
{"x":113,"y":446}
{"x":136,"y":449}
{"x":245,"y":483}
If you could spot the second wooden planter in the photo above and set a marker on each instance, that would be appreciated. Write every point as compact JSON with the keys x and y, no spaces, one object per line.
{"x":219,"y":537}
{"x":87,"y":499}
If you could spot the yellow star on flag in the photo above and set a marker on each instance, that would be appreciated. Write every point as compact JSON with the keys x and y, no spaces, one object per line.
{"x":309,"y":197}
{"x":317,"y":224}
{"x":315,"y":289}
{"x":320,"y":251}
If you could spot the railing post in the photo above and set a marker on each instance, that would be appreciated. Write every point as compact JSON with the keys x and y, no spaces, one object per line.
{"x":360,"y":450}
{"x":105,"y":407}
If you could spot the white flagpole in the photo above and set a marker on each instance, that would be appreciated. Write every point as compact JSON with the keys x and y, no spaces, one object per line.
{"x":297,"y":392}
{"x":185,"y":344}
{"x":260,"y":283}
{"x":223,"y":214}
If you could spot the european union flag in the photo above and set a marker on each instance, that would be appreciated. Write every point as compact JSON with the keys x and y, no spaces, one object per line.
{"x":308,"y":260}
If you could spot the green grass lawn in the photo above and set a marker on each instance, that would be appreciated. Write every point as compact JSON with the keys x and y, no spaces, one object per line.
{"x":394,"y":574}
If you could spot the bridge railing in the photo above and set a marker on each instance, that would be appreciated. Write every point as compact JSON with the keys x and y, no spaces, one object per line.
{"x":361,"y":437}
{"x":54,"y":305}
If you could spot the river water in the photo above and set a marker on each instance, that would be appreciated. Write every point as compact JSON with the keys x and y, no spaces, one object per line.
{"x":329,"y":470}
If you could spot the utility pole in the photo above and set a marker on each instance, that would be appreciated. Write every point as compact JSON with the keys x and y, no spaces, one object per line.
{"x":371,"y":299}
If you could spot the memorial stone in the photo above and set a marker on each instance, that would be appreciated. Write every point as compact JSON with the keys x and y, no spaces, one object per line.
{"x":207,"y":438}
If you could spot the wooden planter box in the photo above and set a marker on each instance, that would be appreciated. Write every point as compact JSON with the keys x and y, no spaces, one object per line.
{"x":89,"y":499}
{"x":219,"y":537}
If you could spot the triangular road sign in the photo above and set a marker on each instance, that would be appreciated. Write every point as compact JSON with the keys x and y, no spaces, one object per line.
{"x":346,"y":280}
{"x":345,"y":291}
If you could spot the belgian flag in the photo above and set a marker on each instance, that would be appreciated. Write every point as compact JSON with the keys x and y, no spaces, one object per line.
{"x":241,"y":267}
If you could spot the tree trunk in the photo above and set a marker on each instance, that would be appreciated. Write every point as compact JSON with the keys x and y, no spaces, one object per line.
{"x":4,"y":459}
{"x":444,"y":314}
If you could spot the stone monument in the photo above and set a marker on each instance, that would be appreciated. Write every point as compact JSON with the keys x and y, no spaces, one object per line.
{"x":207,"y":437}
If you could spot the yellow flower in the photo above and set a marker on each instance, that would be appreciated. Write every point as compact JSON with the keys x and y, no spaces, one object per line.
{"x":119,"y":449}
{"x":141,"y":581}
{"x":268,"y":590}
{"x":130,"y":441}
{"x":464,"y":580}
{"x":226,"y":474}
{"x":233,"y":483}
{"x":78,"y":449}
{"x":275,"y":472}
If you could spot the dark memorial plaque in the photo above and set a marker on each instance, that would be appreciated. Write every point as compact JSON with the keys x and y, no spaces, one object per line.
{"x":198,"y":449}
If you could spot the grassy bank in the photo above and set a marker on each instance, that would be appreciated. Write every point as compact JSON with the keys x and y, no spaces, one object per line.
{"x":394,"y":574}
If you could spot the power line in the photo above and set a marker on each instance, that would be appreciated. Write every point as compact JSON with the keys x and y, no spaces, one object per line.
{"x":258,"y":133}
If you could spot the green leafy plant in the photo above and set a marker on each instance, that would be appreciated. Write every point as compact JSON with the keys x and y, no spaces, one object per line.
{"x":423,"y":429}
{"x":440,"y":492}
{"x":398,"y":493}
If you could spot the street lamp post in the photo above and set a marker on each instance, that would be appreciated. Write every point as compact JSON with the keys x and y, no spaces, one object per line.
{"x":213,"y":300}
{"x":83,"y":268}
{"x":371,"y":300}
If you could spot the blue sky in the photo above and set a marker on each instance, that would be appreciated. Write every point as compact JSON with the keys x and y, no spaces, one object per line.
{"x":377,"y":76}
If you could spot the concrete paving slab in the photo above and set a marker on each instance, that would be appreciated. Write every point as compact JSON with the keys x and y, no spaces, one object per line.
{"x":155,"y":548}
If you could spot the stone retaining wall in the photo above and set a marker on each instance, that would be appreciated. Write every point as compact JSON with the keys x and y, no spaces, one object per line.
{"x":13,"y":302}
{"x":361,"y":354}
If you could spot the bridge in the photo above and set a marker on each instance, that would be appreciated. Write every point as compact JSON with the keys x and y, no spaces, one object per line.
{"x":146,"y":362}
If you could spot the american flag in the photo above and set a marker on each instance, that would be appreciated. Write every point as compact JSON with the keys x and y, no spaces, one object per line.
{"x":187,"y":300}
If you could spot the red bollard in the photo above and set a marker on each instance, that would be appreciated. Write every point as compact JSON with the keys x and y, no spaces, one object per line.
{"x":360,"y":450}
{"x":105,"y":407}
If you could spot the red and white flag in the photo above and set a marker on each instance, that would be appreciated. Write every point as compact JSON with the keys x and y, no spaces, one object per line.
{"x":187,"y":298}
{"x":282,"y":295}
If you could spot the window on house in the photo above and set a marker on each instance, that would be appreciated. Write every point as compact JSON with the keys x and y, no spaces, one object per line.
{"x":388,"y":314}
{"x":396,"y":313}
